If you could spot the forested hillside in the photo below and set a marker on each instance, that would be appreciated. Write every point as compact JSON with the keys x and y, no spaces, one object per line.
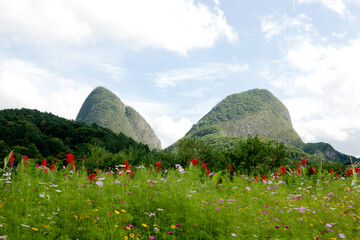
{"x":44,"y":135}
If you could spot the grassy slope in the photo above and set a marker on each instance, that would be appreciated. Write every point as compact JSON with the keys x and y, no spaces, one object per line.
{"x":255,"y":112}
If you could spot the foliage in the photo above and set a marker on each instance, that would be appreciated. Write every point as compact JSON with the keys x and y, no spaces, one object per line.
{"x":43,"y":135}
{"x":256,"y":156}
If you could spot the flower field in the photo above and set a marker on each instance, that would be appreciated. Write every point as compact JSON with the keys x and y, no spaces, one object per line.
{"x":52,"y":201}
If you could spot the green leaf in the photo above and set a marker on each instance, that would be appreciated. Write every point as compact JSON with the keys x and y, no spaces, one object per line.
{"x":7,"y":159}
{"x":217,"y":176}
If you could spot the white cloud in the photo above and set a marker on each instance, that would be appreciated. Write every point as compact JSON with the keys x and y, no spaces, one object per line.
{"x":339,"y":35}
{"x":273,"y":25}
{"x":338,"y":6}
{"x":324,"y":80}
{"x":206,"y":72}
{"x":116,"y":73}
{"x":169,"y":131}
{"x":175,"y":25}
{"x":25,"y":85}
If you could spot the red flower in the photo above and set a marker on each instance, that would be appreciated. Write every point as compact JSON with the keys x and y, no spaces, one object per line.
{"x":336,"y":175}
{"x":282,"y":169}
{"x":350,"y":172}
{"x":331,"y":171}
{"x":26,"y":160}
{"x":70,"y":158}
{"x":158,"y":166}
{"x":264,"y":177}
{"x":194,"y":161}
{"x":303,"y":161}
{"x":98,"y":170}
{"x":298,"y":164}
{"x":312,"y":170}
{"x":293,"y":171}
{"x":52,"y":167}
{"x":204,"y":166}
{"x":127,"y":165}
{"x":208,"y":172}
{"x":11,"y":162}
{"x":44,"y":164}
{"x":230,"y":168}
{"x":299,"y":170}
{"x":92,"y":177}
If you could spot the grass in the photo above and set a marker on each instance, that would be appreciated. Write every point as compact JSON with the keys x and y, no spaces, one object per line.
{"x":37,"y":203}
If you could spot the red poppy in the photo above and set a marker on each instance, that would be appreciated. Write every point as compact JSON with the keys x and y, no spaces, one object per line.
{"x":230,"y":168}
{"x":158,"y":166}
{"x":11,"y":162}
{"x":26,"y":160}
{"x":52,"y":167}
{"x":92,"y":177}
{"x":208,"y":172}
{"x":204,"y":166}
{"x":70,"y":158}
{"x":303,"y":161}
{"x":298,"y":164}
{"x":282,"y":169}
{"x":264,"y":177}
{"x":44,"y":164}
{"x":312,"y":170}
{"x":194,"y":161}
{"x":293,"y":171}
{"x":299,"y":170}
{"x":350,"y":171}
{"x":127,"y":165}
{"x":331,"y":171}
{"x":336,"y":175}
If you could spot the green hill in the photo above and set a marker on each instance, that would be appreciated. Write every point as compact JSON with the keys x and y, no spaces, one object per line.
{"x":44,"y":135}
{"x":254,"y":112}
{"x":106,"y":109}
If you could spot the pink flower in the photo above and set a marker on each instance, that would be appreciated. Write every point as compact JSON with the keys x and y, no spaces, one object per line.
{"x":341,"y":235}
{"x":247,"y":188}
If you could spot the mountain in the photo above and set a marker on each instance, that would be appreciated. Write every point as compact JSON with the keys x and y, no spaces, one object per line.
{"x":327,"y":151}
{"x":44,"y":135}
{"x":254,"y":112}
{"x":106,"y":109}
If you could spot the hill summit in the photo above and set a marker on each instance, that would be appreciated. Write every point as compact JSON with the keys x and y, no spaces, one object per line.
{"x":105,"y":109}
{"x":254,"y":112}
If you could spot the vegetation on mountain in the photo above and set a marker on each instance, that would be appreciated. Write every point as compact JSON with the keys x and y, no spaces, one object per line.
{"x":141,"y":128}
{"x":43,"y":135}
{"x":106,"y":109}
{"x":254,"y":112}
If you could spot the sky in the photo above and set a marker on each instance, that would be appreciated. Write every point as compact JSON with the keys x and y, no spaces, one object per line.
{"x":174,"y":60}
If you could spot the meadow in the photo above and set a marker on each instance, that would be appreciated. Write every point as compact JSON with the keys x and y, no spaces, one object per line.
{"x":64,"y":201}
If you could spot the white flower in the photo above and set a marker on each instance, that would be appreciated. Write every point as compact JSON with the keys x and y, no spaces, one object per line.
{"x":42,"y":195}
{"x":99,"y":183}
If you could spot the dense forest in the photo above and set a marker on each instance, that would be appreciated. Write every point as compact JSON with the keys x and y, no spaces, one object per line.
{"x":41,"y":136}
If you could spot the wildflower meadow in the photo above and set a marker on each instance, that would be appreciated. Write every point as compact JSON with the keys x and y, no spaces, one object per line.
{"x":53,"y":200}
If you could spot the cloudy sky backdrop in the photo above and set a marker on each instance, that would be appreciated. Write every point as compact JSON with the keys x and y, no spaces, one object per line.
{"x":173,"y":60}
